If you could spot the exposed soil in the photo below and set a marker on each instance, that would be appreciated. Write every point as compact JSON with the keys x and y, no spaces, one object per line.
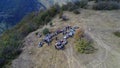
{"x":99,"y":25}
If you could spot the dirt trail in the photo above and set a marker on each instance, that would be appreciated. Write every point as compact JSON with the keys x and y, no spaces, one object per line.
{"x":72,"y":61}
{"x":99,"y":25}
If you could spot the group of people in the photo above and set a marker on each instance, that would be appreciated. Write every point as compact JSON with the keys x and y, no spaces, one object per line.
{"x":67,"y":32}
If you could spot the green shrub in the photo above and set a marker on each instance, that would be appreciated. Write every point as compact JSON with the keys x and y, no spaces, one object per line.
{"x":53,"y":10}
{"x":67,"y":6}
{"x":72,"y":6}
{"x":84,"y":46}
{"x":76,"y":11}
{"x":36,"y":33}
{"x":45,"y":31}
{"x":51,"y":24}
{"x":43,"y":16}
{"x":48,"y":18}
{"x":81,"y":3}
{"x":117,"y":33}
{"x":64,"y":7}
{"x":106,"y":5}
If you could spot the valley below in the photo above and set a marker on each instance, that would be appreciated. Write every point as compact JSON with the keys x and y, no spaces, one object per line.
{"x":12,"y":12}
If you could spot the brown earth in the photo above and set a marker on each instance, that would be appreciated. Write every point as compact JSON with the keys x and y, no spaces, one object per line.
{"x":99,"y":25}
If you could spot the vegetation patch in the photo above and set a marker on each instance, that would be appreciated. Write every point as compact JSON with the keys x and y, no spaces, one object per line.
{"x":51,"y":24}
{"x":82,"y":3}
{"x":46,"y":31}
{"x":83,"y":45}
{"x":107,"y":5}
{"x":36,"y":33}
{"x":117,"y":33}
{"x":76,"y":12}
{"x":72,"y":6}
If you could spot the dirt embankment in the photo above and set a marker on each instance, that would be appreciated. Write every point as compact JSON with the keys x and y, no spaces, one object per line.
{"x":99,"y":25}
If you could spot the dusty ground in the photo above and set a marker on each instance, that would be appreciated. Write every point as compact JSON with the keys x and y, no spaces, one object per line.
{"x":99,"y":25}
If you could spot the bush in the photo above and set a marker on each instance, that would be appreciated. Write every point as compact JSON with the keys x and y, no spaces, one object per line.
{"x":45,"y":31}
{"x":51,"y":24}
{"x":43,"y":16}
{"x":117,"y":33}
{"x":64,"y":7}
{"x":76,"y":11}
{"x":68,"y":7}
{"x":36,"y":33}
{"x":47,"y":19}
{"x":53,"y":10}
{"x":106,"y":5}
{"x":84,"y":46}
{"x":72,"y":6}
{"x":81,"y":3}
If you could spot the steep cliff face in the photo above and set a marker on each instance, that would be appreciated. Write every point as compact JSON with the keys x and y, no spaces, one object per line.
{"x":12,"y":11}
{"x":49,"y":3}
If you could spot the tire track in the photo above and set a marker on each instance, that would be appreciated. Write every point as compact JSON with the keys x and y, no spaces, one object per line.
{"x":99,"y":41}
{"x":72,"y":61}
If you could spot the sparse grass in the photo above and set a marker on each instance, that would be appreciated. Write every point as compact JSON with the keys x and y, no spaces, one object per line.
{"x":117,"y":33}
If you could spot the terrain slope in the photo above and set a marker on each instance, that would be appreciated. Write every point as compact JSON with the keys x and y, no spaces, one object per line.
{"x":99,"y":25}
